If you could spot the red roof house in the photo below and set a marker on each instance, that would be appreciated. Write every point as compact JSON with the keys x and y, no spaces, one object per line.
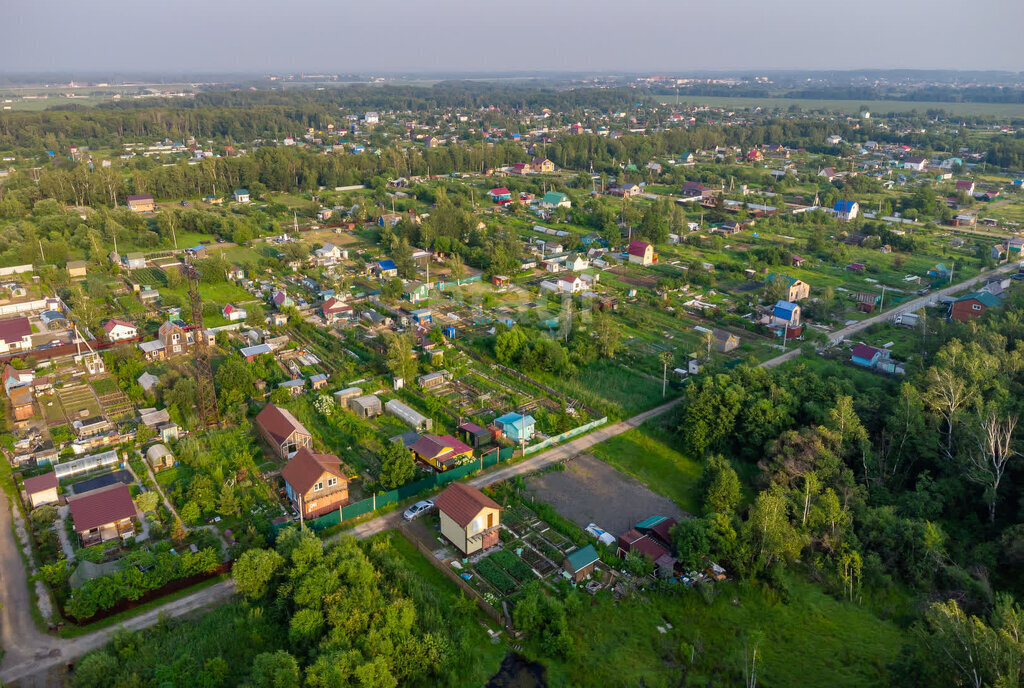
{"x":103,"y":514}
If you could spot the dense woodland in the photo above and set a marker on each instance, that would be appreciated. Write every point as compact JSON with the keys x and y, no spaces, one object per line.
{"x":899,"y":495}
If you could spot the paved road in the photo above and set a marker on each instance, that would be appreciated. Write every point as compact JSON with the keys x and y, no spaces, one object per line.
{"x":906,"y":307}
{"x":25,"y":645}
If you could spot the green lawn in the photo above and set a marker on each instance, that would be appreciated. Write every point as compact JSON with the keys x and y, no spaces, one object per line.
{"x":813,"y":640}
{"x":876,"y":107}
{"x":643,"y":454}
{"x":609,"y":387}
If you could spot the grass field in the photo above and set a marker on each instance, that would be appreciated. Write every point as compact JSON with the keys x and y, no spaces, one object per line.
{"x":813,"y":640}
{"x":878,"y":107}
{"x":609,"y":387}
{"x":643,"y":454}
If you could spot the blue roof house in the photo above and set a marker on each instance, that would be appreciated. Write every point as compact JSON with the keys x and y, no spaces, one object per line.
{"x":423,"y":316}
{"x":387,"y":268}
{"x":846,"y":210}
{"x":787,"y":313}
{"x":517,"y":427}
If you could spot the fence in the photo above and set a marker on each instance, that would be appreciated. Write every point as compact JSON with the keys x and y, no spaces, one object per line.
{"x":568,"y":434}
{"x":383,"y":499}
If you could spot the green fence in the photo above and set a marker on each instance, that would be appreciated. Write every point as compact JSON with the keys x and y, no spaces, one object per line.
{"x":431,"y":482}
{"x":568,"y":434}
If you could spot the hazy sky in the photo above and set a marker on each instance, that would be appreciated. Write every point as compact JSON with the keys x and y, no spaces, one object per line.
{"x":457,"y":35}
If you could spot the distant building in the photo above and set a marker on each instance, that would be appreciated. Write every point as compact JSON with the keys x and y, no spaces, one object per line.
{"x":640,"y":253}
{"x":846,"y":210}
{"x":141,"y":203}
{"x":282,"y":431}
{"x":240,"y":195}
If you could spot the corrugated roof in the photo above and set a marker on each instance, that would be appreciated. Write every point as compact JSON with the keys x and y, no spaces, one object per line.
{"x":100,"y":507}
{"x":279,"y":423}
{"x":582,"y":558}
{"x":462,"y":503}
{"x":305,"y":468}
{"x":14,"y":329}
{"x":41,"y":483}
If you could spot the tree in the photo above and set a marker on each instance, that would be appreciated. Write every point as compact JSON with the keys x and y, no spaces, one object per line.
{"x":399,"y":358}
{"x":606,"y":333}
{"x":691,"y":539}
{"x":720,"y":485}
{"x":274,"y":670}
{"x":397,"y":465}
{"x":987,"y":463}
{"x":147,"y":501}
{"x":254,"y":570}
{"x":456,"y":267}
{"x":771,"y":536}
{"x":95,"y":670}
{"x":510,"y":345}
{"x":234,"y":378}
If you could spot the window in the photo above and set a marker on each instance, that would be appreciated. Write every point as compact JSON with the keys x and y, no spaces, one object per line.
{"x":975,"y":306}
{"x":319,"y":486}
{"x":175,"y":337}
{"x":331,"y":482}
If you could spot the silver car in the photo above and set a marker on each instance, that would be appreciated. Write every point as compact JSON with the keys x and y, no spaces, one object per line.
{"x":418,"y":509}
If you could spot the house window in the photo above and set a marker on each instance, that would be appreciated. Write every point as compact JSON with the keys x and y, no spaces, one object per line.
{"x":175,"y":337}
{"x":975,"y":307}
{"x":319,"y":486}
{"x":331,"y":482}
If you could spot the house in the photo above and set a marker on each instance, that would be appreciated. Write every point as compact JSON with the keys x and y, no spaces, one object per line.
{"x":640,"y":253}
{"x":77,"y":269}
{"x":315,"y":483}
{"x":725,"y":341}
{"x":15,"y":335}
{"x":866,"y":301}
{"x":119,"y":330}
{"x":435,"y":379}
{"x":103,"y":514}
{"x":834,"y":140}
{"x":240,"y":195}
{"x":659,"y":529}
{"x":542,"y":165}
{"x":694,"y":192}
{"x":249,"y":353}
{"x":159,"y":457}
{"x":365,"y":405}
{"x":469,"y":518}
{"x":173,"y":337}
{"x":134,"y":261}
{"x":520,"y":168}
{"x":40,"y":490}
{"x":916,"y":164}
{"x":414,"y":292}
{"x":334,"y":309}
{"x":577,"y":263}
{"x":281,"y":299}
{"x":796,"y":261}
{"x":555,"y":199}
{"x":500,"y":281}
{"x":389,"y":219}
{"x":318,"y":381}
{"x":517,"y":427}
{"x":973,"y":305}
{"x":500,"y":195}
{"x":22,"y":402}
{"x":396,"y":408}
{"x":865,"y":356}
{"x":965,"y":186}
{"x":786,"y":314}
{"x":626,"y":190}
{"x":570,"y":283}
{"x":329,"y":254}
{"x":140,"y":203}
{"x":643,"y":545}
{"x":234,"y":313}
{"x":295,"y":386}
{"x":282,"y":431}
{"x":846,"y":210}
{"x":580,"y":563}
{"x":387,"y":268}
{"x":795,"y":289}
{"x":12,"y":378}
{"x":474,"y":434}
{"x":422,"y":316}
{"x":754,"y":155}
{"x":443,"y":452}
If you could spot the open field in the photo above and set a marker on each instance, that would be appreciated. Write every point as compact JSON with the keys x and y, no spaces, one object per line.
{"x":590,"y":491}
{"x":849,"y":106}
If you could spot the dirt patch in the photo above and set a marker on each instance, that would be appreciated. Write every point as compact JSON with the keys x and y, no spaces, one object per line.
{"x":591,"y":491}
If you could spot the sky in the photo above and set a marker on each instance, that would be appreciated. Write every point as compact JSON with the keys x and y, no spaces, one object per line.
{"x":412,"y":36}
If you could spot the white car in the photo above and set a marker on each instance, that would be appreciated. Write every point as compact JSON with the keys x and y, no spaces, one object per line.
{"x":418,"y":509}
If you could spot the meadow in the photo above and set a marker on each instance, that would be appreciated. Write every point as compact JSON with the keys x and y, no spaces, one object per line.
{"x":848,"y":107}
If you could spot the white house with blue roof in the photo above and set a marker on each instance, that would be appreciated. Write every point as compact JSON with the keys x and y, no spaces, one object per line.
{"x":786,"y":314}
{"x":517,"y":427}
{"x":846,"y":210}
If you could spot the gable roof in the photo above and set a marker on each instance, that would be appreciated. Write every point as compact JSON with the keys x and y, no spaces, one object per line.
{"x":387,"y":264}
{"x":462,"y":503}
{"x":439,"y":447}
{"x":864,"y":351}
{"x":582,"y":557}
{"x":638,"y":248}
{"x":279,"y":423}
{"x":500,"y":191}
{"x":102,"y":506}
{"x":985,"y":298}
{"x":14,"y":329}
{"x":844,"y":206}
{"x":304,"y":469}
{"x":114,"y":322}
{"x":41,"y":483}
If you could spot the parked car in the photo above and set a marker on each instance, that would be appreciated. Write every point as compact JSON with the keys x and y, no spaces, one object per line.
{"x":922,"y":292}
{"x":418,"y":509}
{"x":1017,"y":277}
